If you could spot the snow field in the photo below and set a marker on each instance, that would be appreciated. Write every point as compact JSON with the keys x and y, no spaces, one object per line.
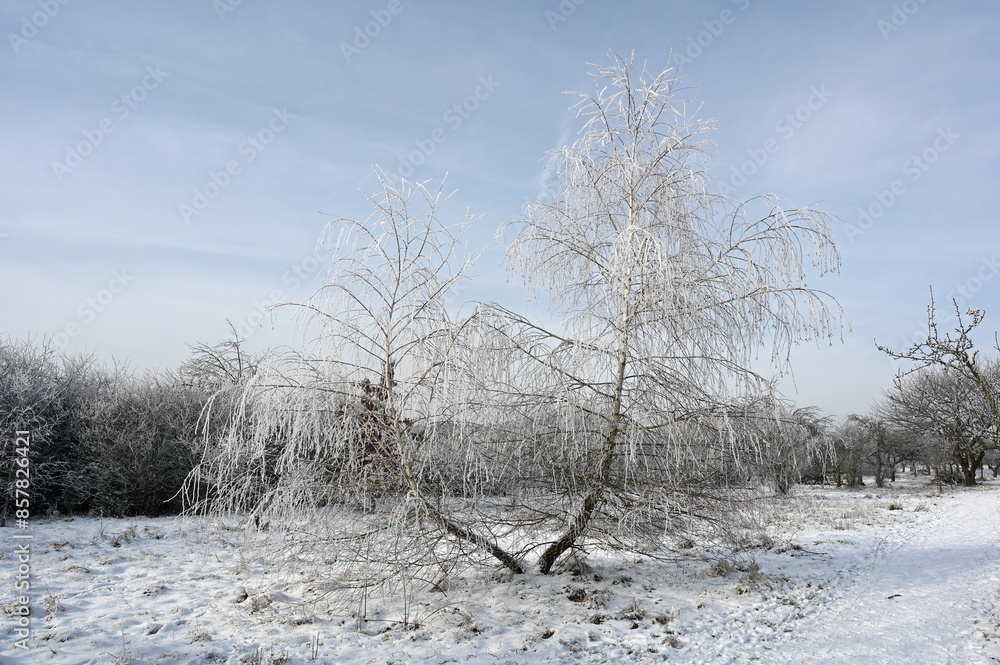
{"x":838,"y":577}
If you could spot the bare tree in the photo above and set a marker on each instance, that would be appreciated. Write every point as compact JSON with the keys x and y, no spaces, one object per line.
{"x":360,"y":434}
{"x":794,"y":440}
{"x":215,"y":367}
{"x":949,"y":406}
{"x":952,"y":391}
{"x":851,"y":448}
{"x":667,"y":292}
{"x":31,"y":400}
{"x":871,"y":440}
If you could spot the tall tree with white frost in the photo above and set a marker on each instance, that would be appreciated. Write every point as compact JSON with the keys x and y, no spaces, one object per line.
{"x":667,"y":291}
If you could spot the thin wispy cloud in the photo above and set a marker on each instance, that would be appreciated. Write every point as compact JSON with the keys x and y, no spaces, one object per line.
{"x":142,"y":137}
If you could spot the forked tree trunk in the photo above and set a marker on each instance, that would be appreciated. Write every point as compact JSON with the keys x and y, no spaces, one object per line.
{"x":969,"y":463}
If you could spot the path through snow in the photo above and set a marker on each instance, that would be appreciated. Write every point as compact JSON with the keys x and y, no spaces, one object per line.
{"x":919,"y":598}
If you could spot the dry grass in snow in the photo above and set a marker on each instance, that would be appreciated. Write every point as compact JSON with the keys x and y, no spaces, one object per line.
{"x":895,"y":575}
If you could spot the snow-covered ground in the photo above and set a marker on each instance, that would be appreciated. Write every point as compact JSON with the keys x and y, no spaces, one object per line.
{"x":842,"y":579}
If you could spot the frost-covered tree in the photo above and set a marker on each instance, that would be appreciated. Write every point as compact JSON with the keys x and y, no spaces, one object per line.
{"x":356,"y":442}
{"x":214,"y":367}
{"x":400,"y":438}
{"x":667,"y":291}
{"x":792,"y":439}
{"x":952,"y":391}
{"x":32,"y":399}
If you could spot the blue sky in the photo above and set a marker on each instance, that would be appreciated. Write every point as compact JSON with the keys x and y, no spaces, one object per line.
{"x":167,"y":164}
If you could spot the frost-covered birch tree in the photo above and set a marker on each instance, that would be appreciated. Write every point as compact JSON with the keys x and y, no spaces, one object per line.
{"x":667,"y":293}
{"x":353,"y":443}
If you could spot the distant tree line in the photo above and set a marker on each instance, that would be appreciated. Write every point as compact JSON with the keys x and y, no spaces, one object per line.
{"x":940,"y":418}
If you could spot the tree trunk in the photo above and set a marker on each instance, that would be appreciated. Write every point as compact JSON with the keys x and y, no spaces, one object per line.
{"x":577,"y":527}
{"x":969,"y":463}
{"x":401,"y":437}
{"x":509,"y":561}
{"x":970,"y":476}
{"x":579,"y":523}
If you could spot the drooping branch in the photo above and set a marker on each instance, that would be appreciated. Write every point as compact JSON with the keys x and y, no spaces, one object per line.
{"x":666,"y":290}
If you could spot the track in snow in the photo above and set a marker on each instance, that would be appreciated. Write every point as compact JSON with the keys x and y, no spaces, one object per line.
{"x":921,"y":599}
